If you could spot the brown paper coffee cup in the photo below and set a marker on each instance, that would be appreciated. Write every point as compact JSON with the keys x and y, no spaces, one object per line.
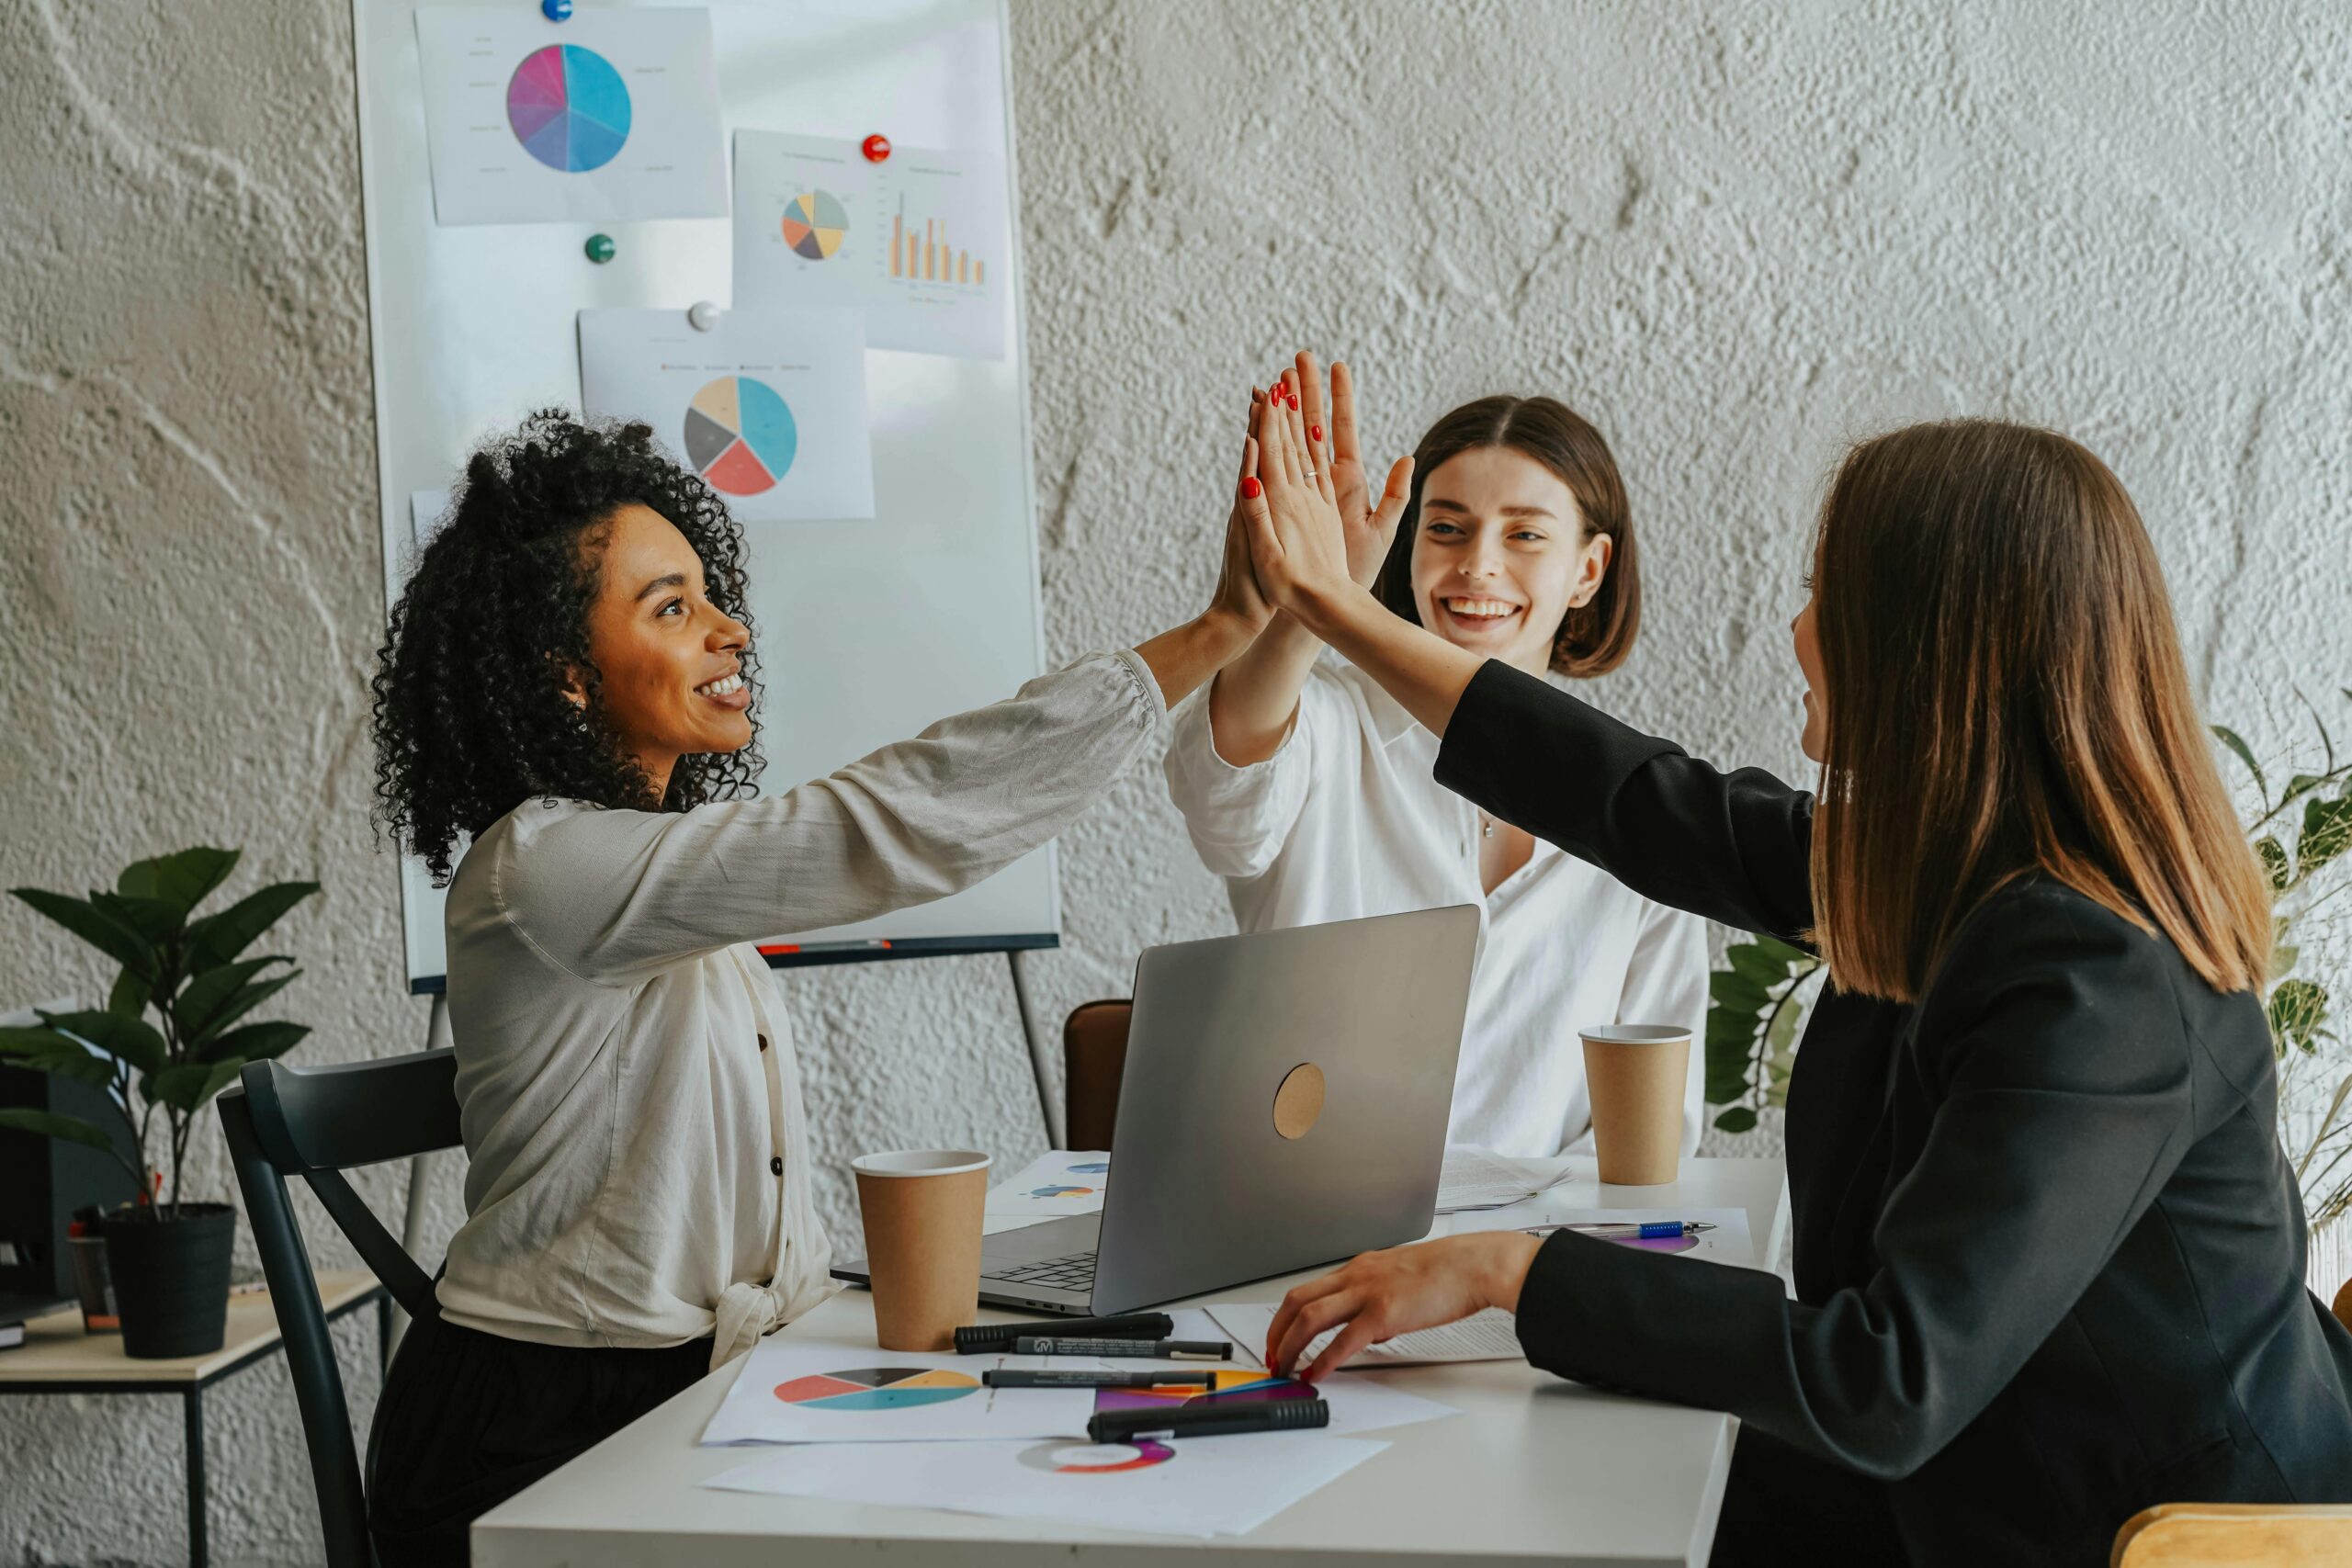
{"x":1636,"y":1074}
{"x":921,"y":1209}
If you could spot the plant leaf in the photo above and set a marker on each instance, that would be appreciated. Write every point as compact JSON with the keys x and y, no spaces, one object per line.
{"x":187,"y":1087}
{"x":155,"y":921}
{"x":218,"y":938}
{"x":2327,"y":831}
{"x":1746,"y":958}
{"x":2297,"y":1010}
{"x":50,"y":1124}
{"x":2229,"y":738}
{"x":130,"y":993}
{"x":46,"y":1051}
{"x":2273,"y":855}
{"x":238,"y":1005}
{"x":93,"y":925}
{"x":179,"y":881}
{"x":212,"y":989}
{"x":1738,"y":1119}
{"x":254,"y":1043}
{"x":1736,"y":991}
{"x":2302,"y":784}
{"x":132,"y":1040}
{"x":1788,"y":953}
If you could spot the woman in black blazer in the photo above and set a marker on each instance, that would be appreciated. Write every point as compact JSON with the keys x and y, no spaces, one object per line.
{"x":2049,"y":1256}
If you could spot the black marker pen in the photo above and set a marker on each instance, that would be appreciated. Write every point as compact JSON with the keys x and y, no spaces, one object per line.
{"x":1183,"y":1349}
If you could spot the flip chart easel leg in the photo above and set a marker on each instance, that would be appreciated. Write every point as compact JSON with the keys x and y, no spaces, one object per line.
{"x":1055,"y":1132}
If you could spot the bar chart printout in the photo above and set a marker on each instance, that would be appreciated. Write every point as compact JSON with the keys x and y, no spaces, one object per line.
{"x":922,"y":253}
{"x":921,"y":242}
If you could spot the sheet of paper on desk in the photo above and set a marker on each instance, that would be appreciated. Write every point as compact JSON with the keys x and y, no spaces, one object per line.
{"x":1480,"y":1178}
{"x":1728,"y":1242}
{"x":796,"y":1388}
{"x":1489,"y":1336}
{"x":1206,"y":1487}
{"x":1059,"y":1182}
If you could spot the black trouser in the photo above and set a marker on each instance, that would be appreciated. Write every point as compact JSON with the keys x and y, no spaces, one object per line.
{"x":1782,"y":1506}
{"x":469,"y":1419}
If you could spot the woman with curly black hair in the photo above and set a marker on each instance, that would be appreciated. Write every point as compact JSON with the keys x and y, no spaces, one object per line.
{"x":568,"y":683}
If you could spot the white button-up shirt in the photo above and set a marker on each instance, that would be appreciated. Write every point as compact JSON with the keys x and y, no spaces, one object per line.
{"x":639,"y":1150}
{"x":1345,"y":819}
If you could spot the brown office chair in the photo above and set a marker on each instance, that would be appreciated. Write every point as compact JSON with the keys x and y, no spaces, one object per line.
{"x":1094,"y":1055}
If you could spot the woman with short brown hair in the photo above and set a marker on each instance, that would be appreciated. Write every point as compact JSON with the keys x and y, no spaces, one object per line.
{"x":1307,"y":788}
{"x":2049,"y":1256}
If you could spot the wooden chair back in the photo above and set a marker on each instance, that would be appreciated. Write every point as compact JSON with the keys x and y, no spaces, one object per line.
{"x":1094,"y":1056}
{"x":2224,"y":1535}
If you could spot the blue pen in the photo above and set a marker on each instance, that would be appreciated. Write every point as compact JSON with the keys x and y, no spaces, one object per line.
{"x":1646,"y":1230}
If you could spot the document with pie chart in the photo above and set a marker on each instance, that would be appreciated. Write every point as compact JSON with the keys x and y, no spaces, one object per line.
{"x":768,"y":406}
{"x":919,"y":240}
{"x":796,"y":1388}
{"x":613,"y":115}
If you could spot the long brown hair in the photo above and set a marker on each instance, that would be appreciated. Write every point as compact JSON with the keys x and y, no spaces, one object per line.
{"x":1595,"y":636}
{"x":2005,"y":694}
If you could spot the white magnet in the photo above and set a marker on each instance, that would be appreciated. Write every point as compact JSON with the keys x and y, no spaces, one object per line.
{"x":702,"y":316}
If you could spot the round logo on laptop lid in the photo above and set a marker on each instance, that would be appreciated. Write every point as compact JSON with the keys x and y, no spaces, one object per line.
{"x":1299,"y":1102}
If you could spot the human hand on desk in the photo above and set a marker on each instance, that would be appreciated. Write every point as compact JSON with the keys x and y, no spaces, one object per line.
{"x":1380,"y":1296}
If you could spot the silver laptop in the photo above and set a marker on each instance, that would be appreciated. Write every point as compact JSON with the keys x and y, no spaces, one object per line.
{"x":1284,"y":1104}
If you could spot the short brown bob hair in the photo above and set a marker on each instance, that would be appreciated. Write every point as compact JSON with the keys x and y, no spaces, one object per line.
{"x":1595,"y":636}
{"x":2005,"y":696}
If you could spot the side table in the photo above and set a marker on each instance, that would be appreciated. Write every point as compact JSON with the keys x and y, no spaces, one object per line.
{"x":57,"y":1357}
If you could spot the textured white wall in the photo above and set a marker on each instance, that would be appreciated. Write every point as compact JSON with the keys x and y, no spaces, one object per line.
{"x":1734,"y":238}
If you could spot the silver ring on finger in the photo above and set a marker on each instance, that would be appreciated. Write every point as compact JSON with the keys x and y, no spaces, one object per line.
{"x":1309,"y":473}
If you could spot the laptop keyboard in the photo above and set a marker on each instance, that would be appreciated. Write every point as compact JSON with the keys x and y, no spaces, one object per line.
{"x":1075,"y":1272}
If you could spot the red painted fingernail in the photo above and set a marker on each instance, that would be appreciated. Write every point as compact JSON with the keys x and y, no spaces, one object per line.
{"x":1315,"y":432}
{"x":1250,"y":487}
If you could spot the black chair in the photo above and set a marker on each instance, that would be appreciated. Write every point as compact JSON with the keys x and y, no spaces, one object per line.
{"x":317,"y":1122}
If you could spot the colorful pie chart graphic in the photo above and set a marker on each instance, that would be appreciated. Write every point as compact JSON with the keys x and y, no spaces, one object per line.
{"x":741,"y":435}
{"x":569,"y":108}
{"x":1096,"y":1459}
{"x":876,"y":1388}
{"x":1059,"y":1191}
{"x":815,"y":225}
{"x":1232,"y":1388}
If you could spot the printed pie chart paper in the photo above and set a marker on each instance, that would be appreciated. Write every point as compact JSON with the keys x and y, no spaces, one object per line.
{"x":768,"y":406}
{"x":1206,"y":1487}
{"x":613,"y":116}
{"x":801,"y":1389}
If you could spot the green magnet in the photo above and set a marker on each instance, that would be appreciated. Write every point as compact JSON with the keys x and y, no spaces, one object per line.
{"x":599,"y":248}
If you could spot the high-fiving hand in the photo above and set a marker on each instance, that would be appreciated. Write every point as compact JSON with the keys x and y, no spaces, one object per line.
{"x":1307,"y":556}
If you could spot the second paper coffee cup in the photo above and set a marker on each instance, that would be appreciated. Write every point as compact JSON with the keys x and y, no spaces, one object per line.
{"x":1636,"y":1074}
{"x":922,"y":1212}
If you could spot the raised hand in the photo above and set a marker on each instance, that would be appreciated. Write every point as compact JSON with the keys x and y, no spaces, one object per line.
{"x":1238,"y":600}
{"x":1370,"y":524}
{"x":1298,"y":541}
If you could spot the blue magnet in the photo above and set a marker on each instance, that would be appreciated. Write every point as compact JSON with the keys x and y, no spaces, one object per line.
{"x":556,"y":10}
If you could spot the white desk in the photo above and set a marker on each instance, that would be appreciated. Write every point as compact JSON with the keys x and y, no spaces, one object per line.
{"x":1533,"y":1469}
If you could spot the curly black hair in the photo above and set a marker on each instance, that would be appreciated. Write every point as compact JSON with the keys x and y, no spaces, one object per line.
{"x":470,"y":715}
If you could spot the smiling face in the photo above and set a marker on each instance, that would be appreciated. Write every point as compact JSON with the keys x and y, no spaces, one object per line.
{"x":669,"y":661}
{"x":1501,"y":555}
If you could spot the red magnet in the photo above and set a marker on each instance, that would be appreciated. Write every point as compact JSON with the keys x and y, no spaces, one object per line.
{"x":875,"y":148}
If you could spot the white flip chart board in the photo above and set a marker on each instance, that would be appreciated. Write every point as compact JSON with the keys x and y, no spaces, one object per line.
{"x":867,"y":631}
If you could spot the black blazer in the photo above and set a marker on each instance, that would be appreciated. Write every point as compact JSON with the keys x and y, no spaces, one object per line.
{"x":2049,"y":1256}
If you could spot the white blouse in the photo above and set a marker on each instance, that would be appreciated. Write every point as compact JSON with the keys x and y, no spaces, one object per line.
{"x":1346,"y":819}
{"x":640,"y":1154}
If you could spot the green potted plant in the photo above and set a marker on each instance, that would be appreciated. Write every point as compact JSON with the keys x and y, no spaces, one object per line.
{"x":2301,"y":833}
{"x":169,"y":1256}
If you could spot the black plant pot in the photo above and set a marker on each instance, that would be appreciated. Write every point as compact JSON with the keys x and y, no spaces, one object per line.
{"x":171,"y":1278}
